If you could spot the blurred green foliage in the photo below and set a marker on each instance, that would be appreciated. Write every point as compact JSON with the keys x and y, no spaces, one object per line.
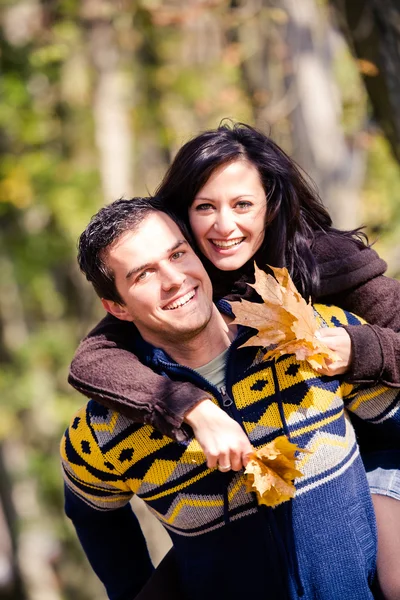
{"x":185,"y":75}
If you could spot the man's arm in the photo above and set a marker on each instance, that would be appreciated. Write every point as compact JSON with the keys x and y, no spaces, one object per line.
{"x":97,"y":495}
{"x":106,"y":369}
{"x":114,"y":545}
{"x":377,"y":406}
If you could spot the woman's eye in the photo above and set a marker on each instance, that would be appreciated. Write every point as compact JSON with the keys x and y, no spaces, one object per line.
{"x":205,"y":206}
{"x":243,"y":205}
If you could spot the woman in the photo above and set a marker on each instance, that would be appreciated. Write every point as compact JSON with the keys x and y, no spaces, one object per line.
{"x":245,"y":200}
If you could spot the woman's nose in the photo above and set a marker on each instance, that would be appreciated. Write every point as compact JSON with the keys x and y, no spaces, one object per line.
{"x":224,"y":223}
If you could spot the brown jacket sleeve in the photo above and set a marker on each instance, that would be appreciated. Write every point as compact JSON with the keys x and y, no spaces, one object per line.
{"x":106,"y":369}
{"x":352,"y":278}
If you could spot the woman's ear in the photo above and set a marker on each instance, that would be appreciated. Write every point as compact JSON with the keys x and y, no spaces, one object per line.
{"x":117,"y":310}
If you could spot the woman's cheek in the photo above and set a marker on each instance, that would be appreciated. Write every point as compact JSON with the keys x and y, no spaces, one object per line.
{"x":199,"y":228}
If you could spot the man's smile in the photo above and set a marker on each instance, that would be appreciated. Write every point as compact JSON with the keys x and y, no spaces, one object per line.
{"x":181,"y":301}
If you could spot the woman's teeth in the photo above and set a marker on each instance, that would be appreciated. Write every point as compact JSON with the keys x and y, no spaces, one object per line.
{"x":181,"y":301}
{"x":227,"y":243}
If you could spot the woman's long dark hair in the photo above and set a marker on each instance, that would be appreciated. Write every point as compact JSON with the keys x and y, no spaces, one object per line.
{"x":294,"y":209}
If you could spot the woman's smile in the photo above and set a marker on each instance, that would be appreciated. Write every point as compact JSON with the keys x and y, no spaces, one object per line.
{"x":227,"y":244}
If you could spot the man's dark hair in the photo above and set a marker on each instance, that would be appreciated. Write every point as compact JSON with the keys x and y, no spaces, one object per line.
{"x":104,"y":229}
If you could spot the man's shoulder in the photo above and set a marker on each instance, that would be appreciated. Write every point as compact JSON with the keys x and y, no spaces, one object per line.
{"x":94,"y":430}
{"x":103,"y":439}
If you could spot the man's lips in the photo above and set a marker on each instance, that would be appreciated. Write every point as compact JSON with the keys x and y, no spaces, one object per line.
{"x":181,"y":301}
{"x":227,"y":244}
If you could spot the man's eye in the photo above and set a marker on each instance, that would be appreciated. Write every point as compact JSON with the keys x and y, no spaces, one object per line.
{"x":143,"y":275}
{"x":177,"y":255}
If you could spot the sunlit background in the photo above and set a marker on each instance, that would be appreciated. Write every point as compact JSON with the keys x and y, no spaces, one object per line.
{"x":96,"y":98}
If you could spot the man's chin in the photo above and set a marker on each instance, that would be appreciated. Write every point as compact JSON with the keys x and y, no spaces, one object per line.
{"x":184,"y":331}
{"x":185,"y":335}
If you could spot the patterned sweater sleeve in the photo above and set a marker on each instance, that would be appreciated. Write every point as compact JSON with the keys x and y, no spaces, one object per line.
{"x":352,"y":277}
{"x":376,"y":407}
{"x":379,"y":407}
{"x":92,"y":473}
{"x":97,"y":502}
{"x":106,"y":369}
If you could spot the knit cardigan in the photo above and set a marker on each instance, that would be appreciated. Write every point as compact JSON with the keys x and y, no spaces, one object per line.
{"x":320,"y":545}
{"x":105,"y":367}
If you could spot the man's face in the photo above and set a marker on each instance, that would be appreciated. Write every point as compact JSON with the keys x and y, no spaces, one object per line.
{"x":166,"y":292}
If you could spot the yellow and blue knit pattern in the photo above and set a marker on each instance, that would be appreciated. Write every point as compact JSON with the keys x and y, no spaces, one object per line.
{"x":107,"y":458}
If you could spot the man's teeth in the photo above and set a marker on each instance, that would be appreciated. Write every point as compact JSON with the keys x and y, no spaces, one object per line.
{"x":181,"y":301}
{"x":227,"y":243}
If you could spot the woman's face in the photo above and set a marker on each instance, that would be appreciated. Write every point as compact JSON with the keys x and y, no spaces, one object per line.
{"x":227,"y":216}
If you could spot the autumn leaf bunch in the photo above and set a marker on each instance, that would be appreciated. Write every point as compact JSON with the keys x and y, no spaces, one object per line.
{"x":271,"y":470}
{"x":285,"y":321}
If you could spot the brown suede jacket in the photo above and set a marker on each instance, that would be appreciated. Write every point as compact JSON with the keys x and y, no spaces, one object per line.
{"x":105,"y":368}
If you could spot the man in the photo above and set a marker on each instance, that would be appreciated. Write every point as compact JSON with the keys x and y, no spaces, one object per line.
{"x":320,"y":545}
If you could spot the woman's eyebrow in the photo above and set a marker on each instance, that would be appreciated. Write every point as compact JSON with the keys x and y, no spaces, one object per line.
{"x":244,"y":195}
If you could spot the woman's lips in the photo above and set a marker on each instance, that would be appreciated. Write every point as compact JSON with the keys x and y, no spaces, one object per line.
{"x":222,"y":245}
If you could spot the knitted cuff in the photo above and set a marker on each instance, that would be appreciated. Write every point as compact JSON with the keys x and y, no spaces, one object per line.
{"x":368,"y":361}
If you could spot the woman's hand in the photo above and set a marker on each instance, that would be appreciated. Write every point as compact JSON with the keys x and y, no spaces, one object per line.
{"x":338,"y":340}
{"x":223,"y":441}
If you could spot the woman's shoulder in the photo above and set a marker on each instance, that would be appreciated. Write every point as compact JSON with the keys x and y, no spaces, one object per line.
{"x":344,"y":261}
{"x":329,"y":246}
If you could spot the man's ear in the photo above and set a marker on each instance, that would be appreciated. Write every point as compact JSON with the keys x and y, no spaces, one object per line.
{"x":118,"y":310}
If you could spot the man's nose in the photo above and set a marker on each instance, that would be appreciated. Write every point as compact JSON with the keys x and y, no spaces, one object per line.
{"x":172,"y":277}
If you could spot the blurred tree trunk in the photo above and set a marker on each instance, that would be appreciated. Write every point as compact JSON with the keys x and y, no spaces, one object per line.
{"x":25,"y":566}
{"x":259,"y":33}
{"x":289,"y":79}
{"x":14,"y":333}
{"x":37,"y":545}
{"x":335,"y":163}
{"x":372,"y":29}
{"x":112,"y":99}
{"x":11,"y":585}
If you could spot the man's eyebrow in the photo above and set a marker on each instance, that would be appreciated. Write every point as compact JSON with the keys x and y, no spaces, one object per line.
{"x":135,"y":270}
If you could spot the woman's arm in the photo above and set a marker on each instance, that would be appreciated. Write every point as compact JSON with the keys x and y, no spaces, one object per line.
{"x":352,"y":278}
{"x":106,"y":369}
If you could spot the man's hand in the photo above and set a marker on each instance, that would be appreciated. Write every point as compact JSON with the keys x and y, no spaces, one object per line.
{"x":338,"y":340}
{"x":223,"y":441}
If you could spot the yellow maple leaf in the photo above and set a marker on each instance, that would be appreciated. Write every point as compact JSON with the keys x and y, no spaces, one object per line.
{"x":272,"y":322}
{"x":270,"y":289}
{"x":271,"y":470}
{"x":283,"y":278}
{"x":284,"y":321}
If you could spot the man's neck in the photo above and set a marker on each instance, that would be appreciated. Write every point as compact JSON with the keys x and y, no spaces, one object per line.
{"x":216,"y":337}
